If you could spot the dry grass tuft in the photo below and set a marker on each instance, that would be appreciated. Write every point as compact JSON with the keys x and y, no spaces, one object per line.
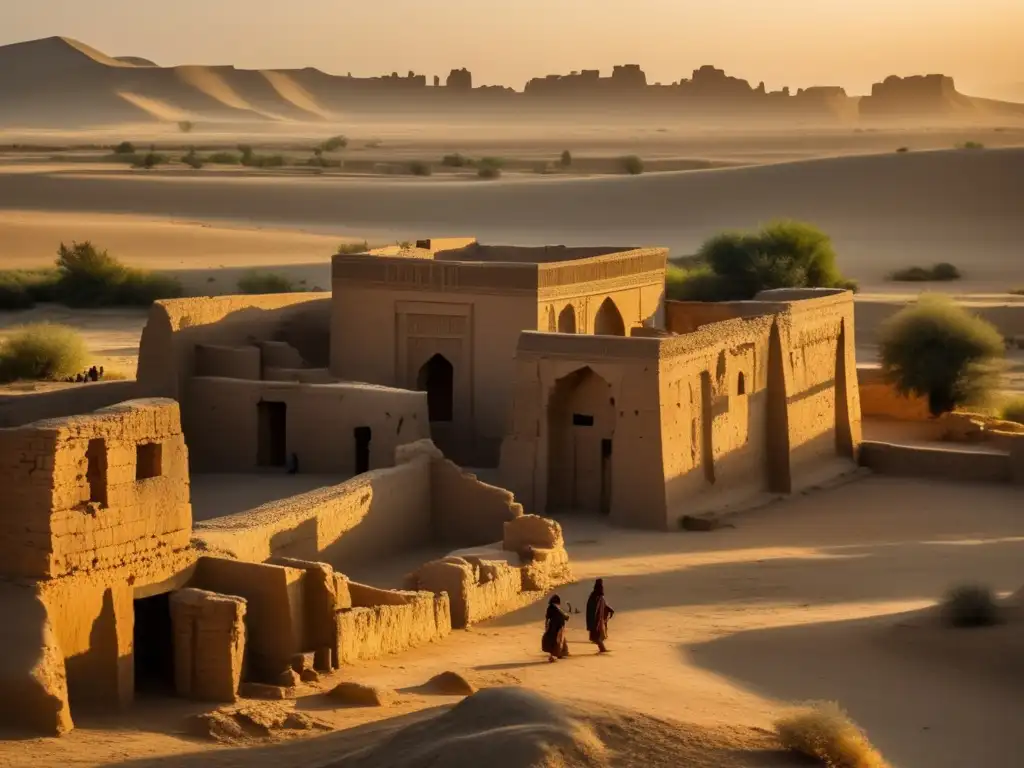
{"x":824,"y":732}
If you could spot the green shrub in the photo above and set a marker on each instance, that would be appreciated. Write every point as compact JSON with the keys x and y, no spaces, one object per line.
{"x":256,"y":282}
{"x":970,"y":605}
{"x":488,"y":172}
{"x":971,"y":145}
{"x":491,"y":162}
{"x":346,"y":248}
{"x":192,"y":160}
{"x":334,"y":143}
{"x":186,"y":126}
{"x":1012,"y":410}
{"x":150,"y":160}
{"x":736,"y":266}
{"x":21,"y":289}
{"x":941,"y":272}
{"x":824,"y":733}
{"x":87,"y":277}
{"x":125,"y":148}
{"x":455,"y":160}
{"x":633,"y":165}
{"x":419,"y":168}
{"x":42,"y":351}
{"x":223,"y":158}
{"x":936,"y":349}
{"x":566,"y":159}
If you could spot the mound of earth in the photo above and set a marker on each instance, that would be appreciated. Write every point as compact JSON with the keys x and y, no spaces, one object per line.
{"x":517,"y":728}
{"x":254,"y":723}
{"x":448,"y":684}
{"x":359,"y":695}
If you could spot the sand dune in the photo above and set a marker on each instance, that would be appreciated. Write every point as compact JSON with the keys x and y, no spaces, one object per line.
{"x":293,"y":92}
{"x":884,"y":211}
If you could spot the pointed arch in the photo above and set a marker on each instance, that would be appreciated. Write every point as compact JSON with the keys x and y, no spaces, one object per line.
{"x":437,"y":379}
{"x":567,"y":320}
{"x":608,"y":321}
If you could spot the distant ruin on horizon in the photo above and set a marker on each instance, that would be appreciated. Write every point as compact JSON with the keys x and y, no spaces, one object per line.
{"x":90,"y":83}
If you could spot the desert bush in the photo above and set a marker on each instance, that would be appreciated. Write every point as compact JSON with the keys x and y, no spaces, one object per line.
{"x":1017,"y":291}
{"x":256,"y":282}
{"x":334,"y":143}
{"x":825,"y":733}
{"x":192,"y":160}
{"x":903,"y":149}
{"x":970,"y":605}
{"x":633,"y":165}
{"x":88,"y":277}
{"x":22,"y":288}
{"x":125,"y":148}
{"x":223,"y":158}
{"x":941,"y":272}
{"x":42,"y":351}
{"x":150,"y":160}
{"x":346,"y":248}
{"x":186,"y":126}
{"x":938,"y":350}
{"x":566,"y":159}
{"x":491,"y":162}
{"x":419,"y":168}
{"x":455,"y":160}
{"x":1012,"y":410}
{"x":972,"y":145}
{"x":264,"y":161}
{"x":488,"y":172}
{"x":736,"y":266}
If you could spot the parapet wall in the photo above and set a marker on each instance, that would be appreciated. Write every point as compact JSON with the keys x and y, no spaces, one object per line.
{"x":373,"y":515}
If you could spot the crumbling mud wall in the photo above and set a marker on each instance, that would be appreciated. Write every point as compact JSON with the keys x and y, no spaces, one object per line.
{"x":384,"y":622}
{"x":167,"y":351}
{"x":33,"y":684}
{"x":373,"y":515}
{"x":879,"y":398}
{"x":330,"y":428}
{"x":209,"y":644}
{"x":93,"y":492}
{"x":464,"y":511}
{"x":938,"y":463}
{"x":485,"y":582}
{"x":21,"y":409}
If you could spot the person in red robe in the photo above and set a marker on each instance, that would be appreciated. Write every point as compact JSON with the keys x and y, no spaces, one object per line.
{"x":598,"y":614}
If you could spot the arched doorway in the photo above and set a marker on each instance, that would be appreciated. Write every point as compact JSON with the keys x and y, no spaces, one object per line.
{"x":581,"y":427}
{"x":567,"y":320}
{"x":436,"y":378}
{"x":608,"y":321}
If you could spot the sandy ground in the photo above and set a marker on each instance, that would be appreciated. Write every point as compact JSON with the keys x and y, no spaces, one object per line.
{"x":797,"y":603}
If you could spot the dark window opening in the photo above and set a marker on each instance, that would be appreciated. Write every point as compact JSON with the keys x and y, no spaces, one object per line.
{"x":741,"y":386}
{"x":154,"y":645}
{"x":96,"y":473}
{"x":148,"y":461}
{"x":606,"y":476}
{"x":272,"y":446}
{"x":582,"y":420}
{"x":363,"y":435}
{"x":437,"y":379}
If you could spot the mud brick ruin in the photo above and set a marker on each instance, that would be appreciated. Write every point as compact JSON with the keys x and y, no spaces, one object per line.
{"x":203,"y":531}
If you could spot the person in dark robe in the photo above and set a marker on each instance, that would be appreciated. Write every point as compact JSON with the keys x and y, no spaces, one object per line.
{"x":598,"y":614}
{"x":553,"y":642}
{"x":93,"y":374}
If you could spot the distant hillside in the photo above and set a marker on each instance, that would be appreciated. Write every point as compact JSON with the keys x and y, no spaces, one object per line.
{"x":58,"y":82}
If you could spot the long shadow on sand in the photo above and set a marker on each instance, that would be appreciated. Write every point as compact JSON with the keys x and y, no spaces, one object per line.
{"x":921,"y":712}
{"x":827,"y":576}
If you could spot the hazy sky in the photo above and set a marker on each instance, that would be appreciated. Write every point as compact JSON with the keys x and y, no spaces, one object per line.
{"x":783,"y":42}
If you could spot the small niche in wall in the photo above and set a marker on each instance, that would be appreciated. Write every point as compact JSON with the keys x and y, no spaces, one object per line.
{"x":582,"y":420}
{"x":96,"y":472}
{"x":148,"y":461}
{"x":741,"y":385}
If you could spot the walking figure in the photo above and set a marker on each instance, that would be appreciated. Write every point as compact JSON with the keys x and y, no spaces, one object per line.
{"x":598,"y":614}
